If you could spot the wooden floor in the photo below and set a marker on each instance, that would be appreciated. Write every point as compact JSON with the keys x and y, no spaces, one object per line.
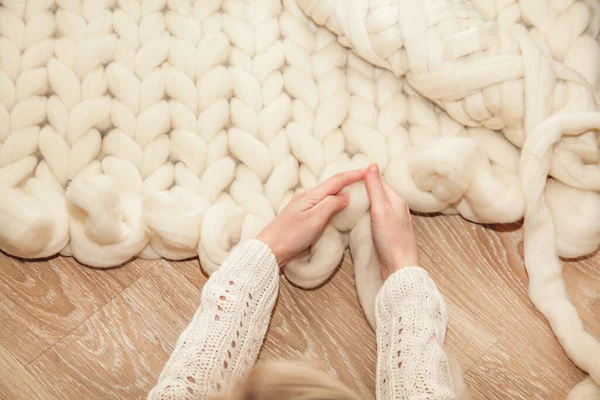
{"x":71,"y":332}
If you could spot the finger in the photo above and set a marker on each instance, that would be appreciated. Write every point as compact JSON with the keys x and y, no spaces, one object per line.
{"x":329,"y":206}
{"x":336,"y":183}
{"x":375,"y":188}
{"x":395,"y":199}
{"x":389,"y":192}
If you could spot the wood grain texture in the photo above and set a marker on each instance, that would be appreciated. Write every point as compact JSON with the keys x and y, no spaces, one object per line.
{"x":16,"y":382}
{"x":119,"y":352}
{"x":487,"y":279}
{"x":192,"y":271}
{"x":42,"y":301}
{"x":110,"y":332}
{"x":494,"y":375}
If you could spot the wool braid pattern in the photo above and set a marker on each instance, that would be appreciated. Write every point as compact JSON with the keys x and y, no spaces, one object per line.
{"x":527,"y":85}
{"x":178,"y":128}
{"x":256,"y":56}
{"x":33,"y":200}
{"x":319,"y":104}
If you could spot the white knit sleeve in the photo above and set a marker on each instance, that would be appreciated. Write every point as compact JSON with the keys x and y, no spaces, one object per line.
{"x":411,"y":327}
{"x":222,"y":342}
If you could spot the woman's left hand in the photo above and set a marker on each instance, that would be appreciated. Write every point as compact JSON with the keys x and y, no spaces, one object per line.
{"x":304,"y":218}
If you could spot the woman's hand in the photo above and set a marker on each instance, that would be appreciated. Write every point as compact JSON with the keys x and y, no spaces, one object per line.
{"x":391,"y":226}
{"x":302,"y":221}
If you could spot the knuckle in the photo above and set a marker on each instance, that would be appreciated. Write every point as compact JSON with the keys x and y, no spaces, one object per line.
{"x":339,"y":177}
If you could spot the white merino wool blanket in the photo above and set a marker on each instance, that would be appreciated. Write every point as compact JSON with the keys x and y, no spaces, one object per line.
{"x":178,"y":128}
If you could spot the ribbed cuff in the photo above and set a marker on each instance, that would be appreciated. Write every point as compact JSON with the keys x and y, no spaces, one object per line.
{"x":412,"y":287}
{"x":254,"y":251}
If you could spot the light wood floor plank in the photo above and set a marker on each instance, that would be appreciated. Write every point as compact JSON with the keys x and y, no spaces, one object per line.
{"x":506,"y":372}
{"x":192,"y":271}
{"x":481,"y":271}
{"x":119,"y":352}
{"x":467,"y":339}
{"x":16,"y":383}
{"x":41,"y":301}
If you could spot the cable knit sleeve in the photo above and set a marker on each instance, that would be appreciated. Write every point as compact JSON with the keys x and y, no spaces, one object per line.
{"x":411,"y":328}
{"x":222,"y":342}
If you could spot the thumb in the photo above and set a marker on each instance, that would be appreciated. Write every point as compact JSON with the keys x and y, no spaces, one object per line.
{"x":375,"y":188}
{"x":330,"y":205}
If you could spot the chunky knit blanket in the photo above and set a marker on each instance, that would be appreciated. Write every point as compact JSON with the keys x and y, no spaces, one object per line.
{"x":178,"y":128}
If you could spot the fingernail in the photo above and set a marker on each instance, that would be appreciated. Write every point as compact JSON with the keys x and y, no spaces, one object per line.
{"x":374,"y":169}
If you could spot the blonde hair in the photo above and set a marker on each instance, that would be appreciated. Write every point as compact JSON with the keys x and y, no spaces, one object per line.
{"x":283,"y":380}
{"x":277,"y":380}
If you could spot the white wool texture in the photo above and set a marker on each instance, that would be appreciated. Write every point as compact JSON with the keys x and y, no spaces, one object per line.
{"x":178,"y":128}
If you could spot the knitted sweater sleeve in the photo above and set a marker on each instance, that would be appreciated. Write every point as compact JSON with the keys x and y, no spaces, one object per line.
{"x":411,"y":327}
{"x":221,"y":343}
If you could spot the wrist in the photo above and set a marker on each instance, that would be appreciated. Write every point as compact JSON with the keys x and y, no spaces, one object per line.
{"x":405,"y":259}
{"x":275,"y":247}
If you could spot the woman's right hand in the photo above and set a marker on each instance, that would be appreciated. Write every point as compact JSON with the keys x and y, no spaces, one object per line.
{"x":302,"y":221}
{"x":391,"y":225}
